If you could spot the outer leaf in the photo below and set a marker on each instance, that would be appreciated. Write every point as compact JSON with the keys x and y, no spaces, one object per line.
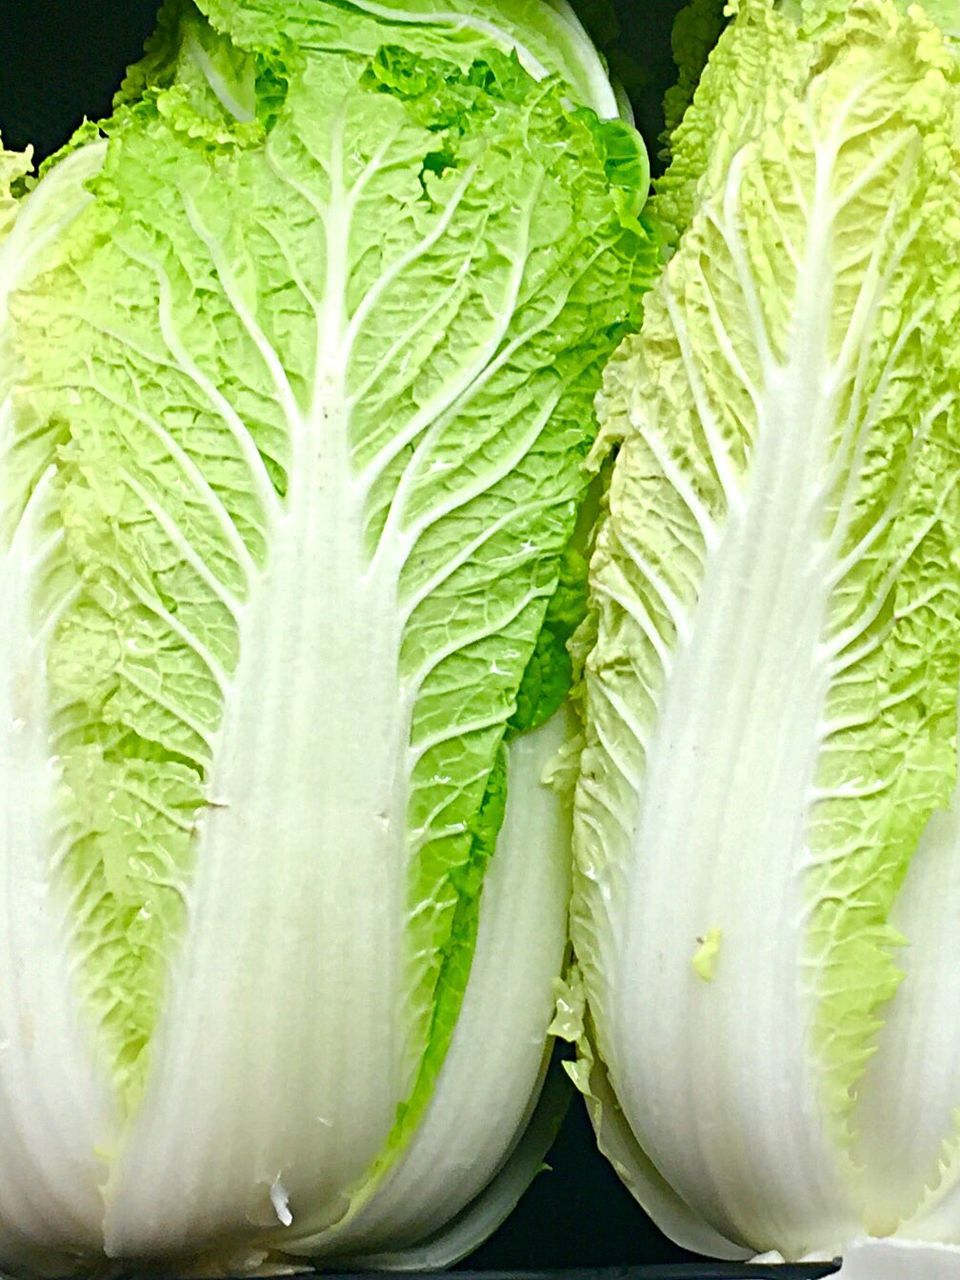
{"x":324,"y":459}
{"x":522,"y":931}
{"x":815,"y":16}
{"x":909,"y":1094}
{"x":14,"y":165}
{"x":548,"y":38}
{"x":752,"y":74}
{"x":49,"y":1172}
{"x":771,"y":698}
{"x":616,"y":1141}
{"x":696,"y":30}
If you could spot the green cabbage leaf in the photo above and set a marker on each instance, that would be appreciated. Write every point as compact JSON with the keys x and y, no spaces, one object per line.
{"x":764,"y":914}
{"x":299,"y":358}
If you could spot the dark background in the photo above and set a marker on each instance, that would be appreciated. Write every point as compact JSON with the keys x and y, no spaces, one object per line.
{"x":61,"y":60}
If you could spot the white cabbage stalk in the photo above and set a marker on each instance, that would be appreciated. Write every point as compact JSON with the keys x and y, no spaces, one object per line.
{"x":767,"y":886}
{"x":895,"y":1259}
{"x":297,"y":380}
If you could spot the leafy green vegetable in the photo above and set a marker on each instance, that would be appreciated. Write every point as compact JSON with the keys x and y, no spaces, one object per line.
{"x":770,"y":687}
{"x":696,"y":31}
{"x":297,"y":402}
{"x":546,"y":34}
{"x":753,"y":74}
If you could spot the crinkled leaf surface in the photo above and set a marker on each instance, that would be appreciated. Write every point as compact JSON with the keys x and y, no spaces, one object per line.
{"x":771,"y":692}
{"x":696,"y":30}
{"x":547,"y":36}
{"x":317,"y":366}
{"x":751,"y":75}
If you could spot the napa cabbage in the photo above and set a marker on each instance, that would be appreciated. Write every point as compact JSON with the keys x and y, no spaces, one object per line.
{"x":298,"y":355}
{"x":765,"y":906}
